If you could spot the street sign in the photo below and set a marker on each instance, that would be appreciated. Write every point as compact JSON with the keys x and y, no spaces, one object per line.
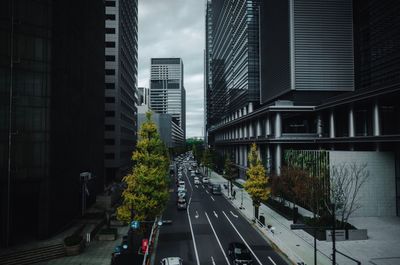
{"x":135,"y":224}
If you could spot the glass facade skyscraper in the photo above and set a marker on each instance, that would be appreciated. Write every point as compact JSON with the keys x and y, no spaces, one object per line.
{"x":51,"y":105}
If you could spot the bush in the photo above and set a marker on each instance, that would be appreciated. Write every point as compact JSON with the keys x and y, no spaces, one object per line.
{"x":73,"y":240}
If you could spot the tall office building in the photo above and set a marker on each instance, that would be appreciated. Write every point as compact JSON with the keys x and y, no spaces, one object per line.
{"x":121,"y":83}
{"x":143,"y":96}
{"x":329,"y":80}
{"x":167,"y":91}
{"x":51,"y":114}
{"x":231,"y":59}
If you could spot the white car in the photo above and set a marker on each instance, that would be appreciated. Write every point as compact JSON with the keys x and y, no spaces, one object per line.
{"x":205,"y":180}
{"x":196,"y":180}
{"x":181,"y":183}
{"x":181,"y":189}
{"x":171,"y":261}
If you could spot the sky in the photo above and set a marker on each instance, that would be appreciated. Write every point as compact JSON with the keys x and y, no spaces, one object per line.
{"x":175,"y":28}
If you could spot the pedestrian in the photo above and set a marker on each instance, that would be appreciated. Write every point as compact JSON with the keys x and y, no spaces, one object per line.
{"x":234,"y":194}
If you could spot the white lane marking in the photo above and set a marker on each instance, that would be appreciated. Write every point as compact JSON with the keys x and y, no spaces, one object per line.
{"x":191,"y":230}
{"x":219,"y":242}
{"x":234,"y":215}
{"x":216,"y":215}
{"x":196,"y":215}
{"x":212,"y":198}
{"x":190,"y":184}
{"x":270,"y":259}
{"x":212,"y":260}
{"x":202,"y":186}
{"x":244,"y":241}
{"x":207,"y":192}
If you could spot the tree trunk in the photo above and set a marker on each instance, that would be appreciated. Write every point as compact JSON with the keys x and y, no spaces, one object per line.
{"x":231,"y":188}
{"x":256,"y":211}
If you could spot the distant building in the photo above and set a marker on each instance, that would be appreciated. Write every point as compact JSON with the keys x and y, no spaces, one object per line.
{"x":57,"y":121}
{"x":167,"y":92}
{"x":121,"y":84}
{"x":143,"y":96}
{"x":170,"y":132}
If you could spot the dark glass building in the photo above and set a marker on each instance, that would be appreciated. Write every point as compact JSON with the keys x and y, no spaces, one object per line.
{"x":329,"y":80}
{"x":231,"y":59}
{"x":121,"y":86}
{"x":51,"y":107}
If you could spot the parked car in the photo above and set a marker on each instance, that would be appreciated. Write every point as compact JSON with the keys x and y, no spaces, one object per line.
{"x":196,"y":180}
{"x":181,"y":183}
{"x":171,"y":261}
{"x":239,"y":253}
{"x":205,"y":180}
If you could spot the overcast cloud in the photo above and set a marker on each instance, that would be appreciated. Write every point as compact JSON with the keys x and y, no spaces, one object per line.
{"x":175,"y":28}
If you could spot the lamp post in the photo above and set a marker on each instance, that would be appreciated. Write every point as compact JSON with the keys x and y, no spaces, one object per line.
{"x":333,"y":235}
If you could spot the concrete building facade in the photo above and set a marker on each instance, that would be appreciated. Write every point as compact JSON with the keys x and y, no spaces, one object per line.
{"x":121,"y":22}
{"x":167,"y":91}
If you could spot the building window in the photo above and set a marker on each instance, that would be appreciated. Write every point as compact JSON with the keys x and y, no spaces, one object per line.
{"x":110,"y":58}
{"x":110,"y":3}
{"x":110,"y":85}
{"x":110,"y":71}
{"x":110,"y":17}
{"x":109,"y":156}
{"x":110,"y":44}
{"x":109,"y":127}
{"x":110,"y":113}
{"x":110,"y":30}
{"x":109,"y":141}
{"x":110,"y":100}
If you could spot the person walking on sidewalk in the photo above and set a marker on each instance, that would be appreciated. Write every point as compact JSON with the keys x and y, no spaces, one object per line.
{"x":234,"y":194}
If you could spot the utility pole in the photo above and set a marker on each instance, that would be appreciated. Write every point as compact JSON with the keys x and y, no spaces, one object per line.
{"x":333,"y":235}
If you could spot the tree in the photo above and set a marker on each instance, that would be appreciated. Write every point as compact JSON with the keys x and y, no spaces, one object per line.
{"x":146,"y":191}
{"x":207,"y":160}
{"x":346,"y":180}
{"x":230,"y":172}
{"x":256,"y":184}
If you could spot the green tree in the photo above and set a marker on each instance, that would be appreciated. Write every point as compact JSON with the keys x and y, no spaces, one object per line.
{"x":146,"y":192}
{"x":230,"y":172}
{"x":256,"y":184}
{"x":207,"y":160}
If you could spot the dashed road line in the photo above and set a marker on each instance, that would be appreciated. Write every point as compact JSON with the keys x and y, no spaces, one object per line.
{"x":270,"y":259}
{"x":212,"y":198}
{"x":244,"y":241}
{"x":216,"y":215}
{"x":219,"y":242}
{"x":234,"y":215}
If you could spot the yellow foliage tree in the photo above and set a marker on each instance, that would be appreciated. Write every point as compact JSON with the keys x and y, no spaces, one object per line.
{"x":257,"y":182}
{"x":146,"y":192}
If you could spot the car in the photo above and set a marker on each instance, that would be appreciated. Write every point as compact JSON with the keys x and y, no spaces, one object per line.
{"x":216,"y":189}
{"x":180,"y":189}
{"x":181,"y":203}
{"x":171,"y":261}
{"x":239,"y":253}
{"x":196,"y":180}
{"x":192,"y":174}
{"x":181,"y":194}
{"x":205,"y":180}
{"x":181,"y":183}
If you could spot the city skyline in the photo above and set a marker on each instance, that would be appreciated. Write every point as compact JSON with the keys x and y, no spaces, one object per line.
{"x":175,"y":29}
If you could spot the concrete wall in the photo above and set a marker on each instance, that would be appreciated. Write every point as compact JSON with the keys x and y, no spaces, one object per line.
{"x":378,"y":195}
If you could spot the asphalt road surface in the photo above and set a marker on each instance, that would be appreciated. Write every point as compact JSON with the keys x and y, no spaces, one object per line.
{"x":201,"y":234}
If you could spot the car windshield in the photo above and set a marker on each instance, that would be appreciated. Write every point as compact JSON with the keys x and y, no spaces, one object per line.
{"x":240,"y":251}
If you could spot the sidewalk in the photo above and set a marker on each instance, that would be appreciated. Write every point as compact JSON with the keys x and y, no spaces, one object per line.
{"x":95,"y":253}
{"x":382,"y":247}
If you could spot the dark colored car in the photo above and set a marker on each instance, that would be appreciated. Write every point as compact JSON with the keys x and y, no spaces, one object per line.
{"x":239,"y":253}
{"x":216,"y":189}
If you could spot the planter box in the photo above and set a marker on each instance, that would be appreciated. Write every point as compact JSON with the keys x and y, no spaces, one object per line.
{"x":106,"y":237}
{"x":116,"y":223}
{"x":340,"y":235}
{"x":359,"y":234}
{"x":75,"y":249}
